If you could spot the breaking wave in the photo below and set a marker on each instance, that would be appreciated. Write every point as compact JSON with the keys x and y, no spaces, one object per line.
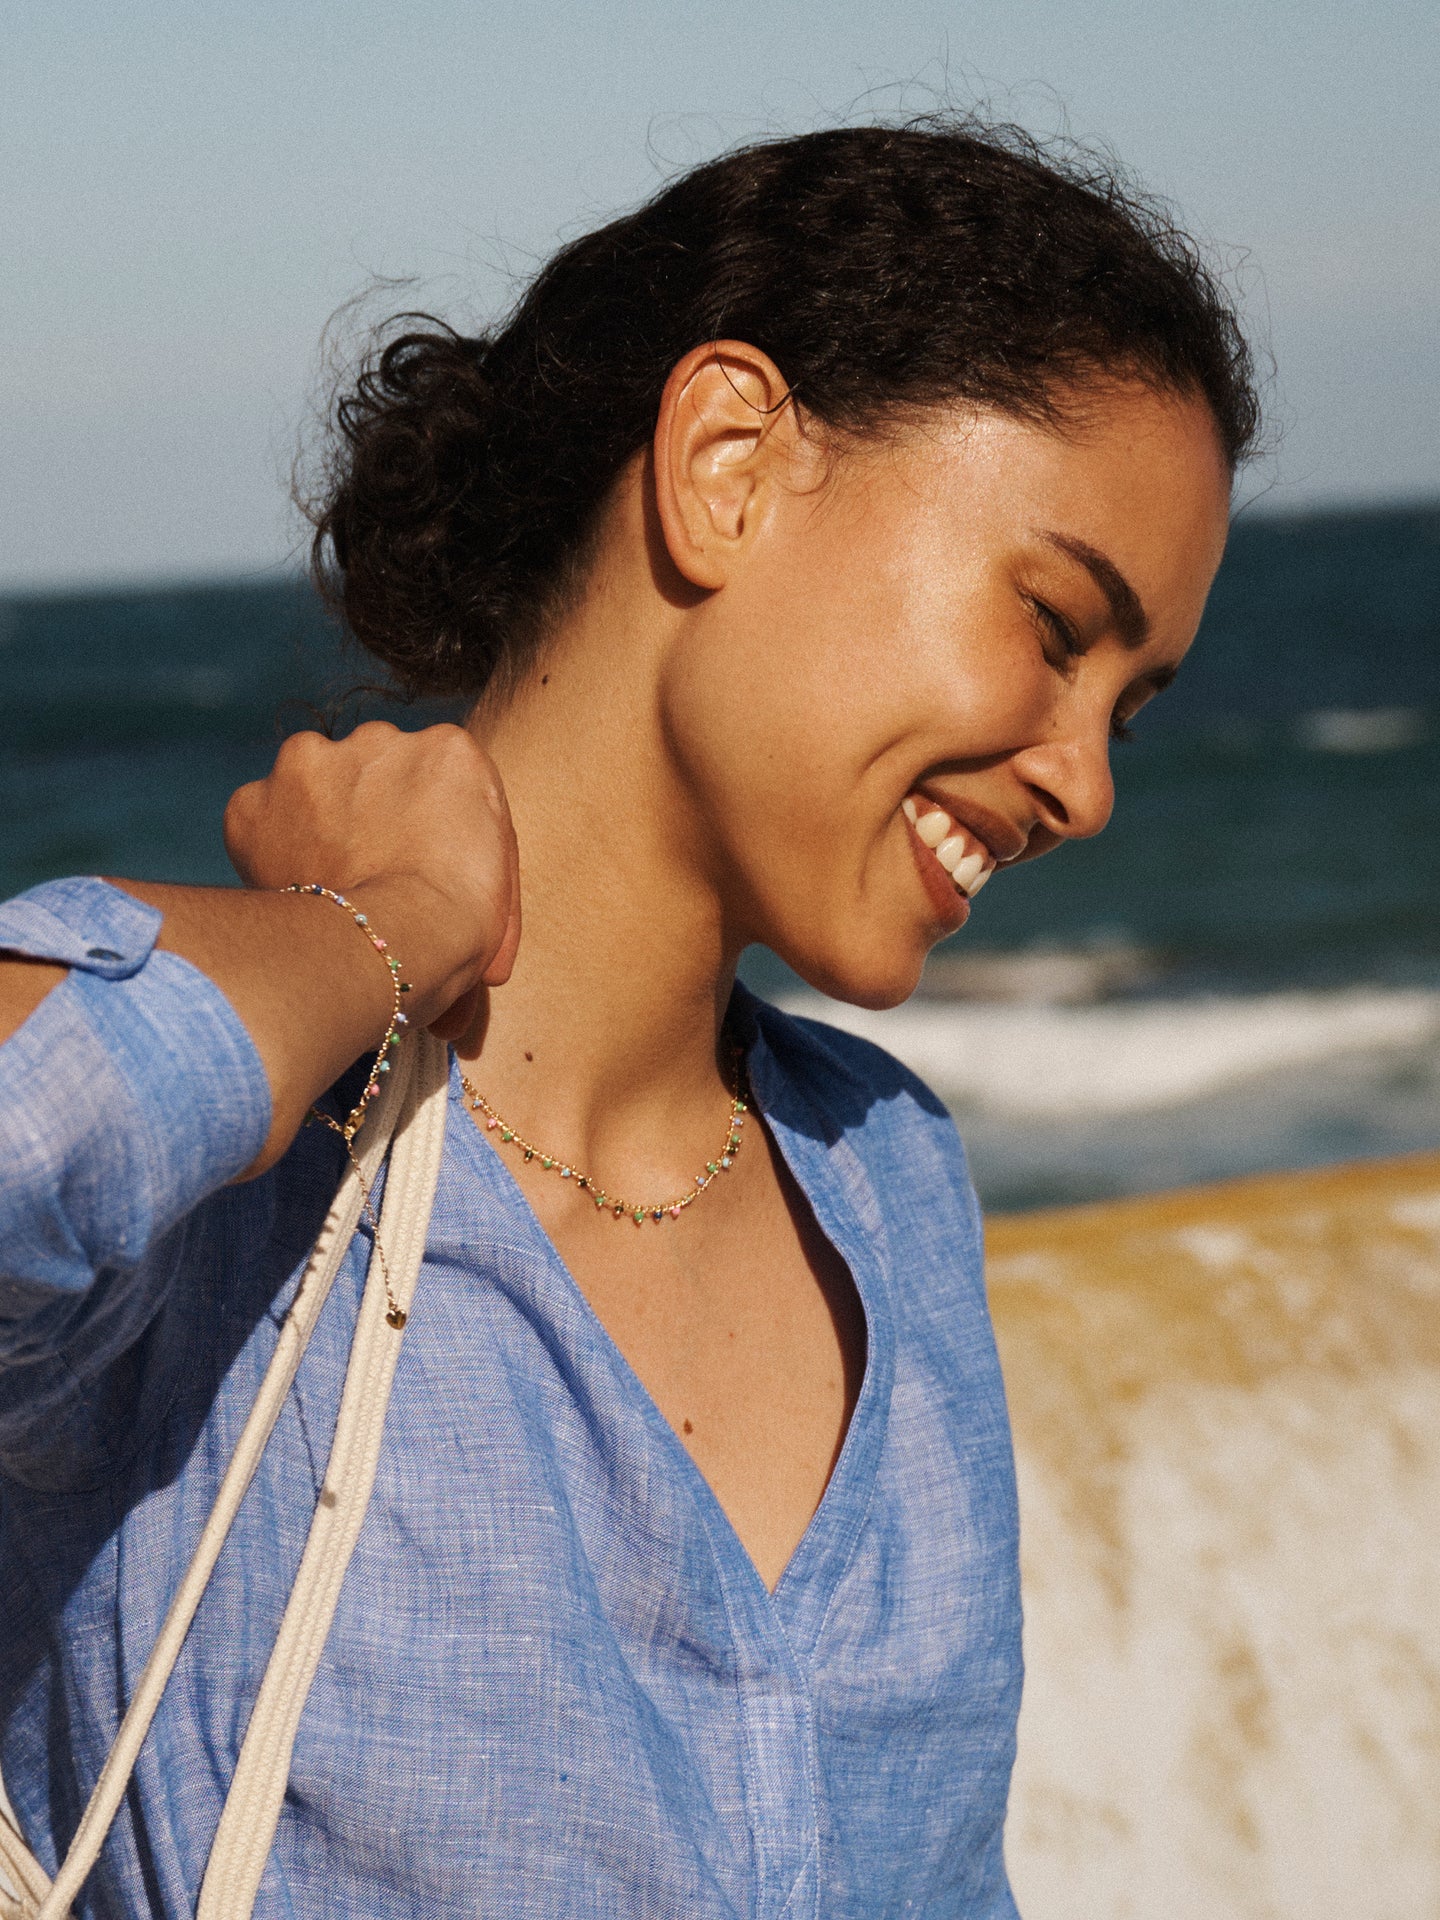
{"x":1056,"y":1061}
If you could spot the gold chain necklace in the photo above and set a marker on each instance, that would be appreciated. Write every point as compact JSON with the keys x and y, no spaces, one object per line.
{"x":567,"y":1170}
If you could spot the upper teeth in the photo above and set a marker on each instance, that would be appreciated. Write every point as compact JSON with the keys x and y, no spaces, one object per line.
{"x":968,"y":864}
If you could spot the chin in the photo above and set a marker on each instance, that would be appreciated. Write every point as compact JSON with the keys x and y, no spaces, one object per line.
{"x":884,"y":975}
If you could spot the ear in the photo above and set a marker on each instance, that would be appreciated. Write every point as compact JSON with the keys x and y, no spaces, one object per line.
{"x":725,"y":438}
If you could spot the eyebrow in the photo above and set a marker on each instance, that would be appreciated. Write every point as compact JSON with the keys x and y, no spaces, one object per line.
{"x":1132,"y":622}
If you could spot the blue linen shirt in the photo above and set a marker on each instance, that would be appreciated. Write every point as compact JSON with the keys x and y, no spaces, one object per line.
{"x":556,"y":1686}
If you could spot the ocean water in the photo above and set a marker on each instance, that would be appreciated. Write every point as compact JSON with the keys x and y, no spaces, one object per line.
{"x":1243,"y":972}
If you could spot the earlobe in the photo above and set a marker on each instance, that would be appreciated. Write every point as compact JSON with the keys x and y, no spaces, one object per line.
{"x":721,"y":429}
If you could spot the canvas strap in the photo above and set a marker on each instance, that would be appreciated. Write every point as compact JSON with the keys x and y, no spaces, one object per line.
{"x":252,"y":1807}
{"x":411,"y":1111}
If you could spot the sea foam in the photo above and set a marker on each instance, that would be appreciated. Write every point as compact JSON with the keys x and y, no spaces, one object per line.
{"x":1125,"y":1057}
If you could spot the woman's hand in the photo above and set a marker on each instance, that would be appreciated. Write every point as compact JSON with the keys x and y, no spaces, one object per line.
{"x":413,"y":828}
{"x":418,"y":823}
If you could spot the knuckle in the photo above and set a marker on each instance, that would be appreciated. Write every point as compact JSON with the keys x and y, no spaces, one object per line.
{"x":303,"y":745}
{"x":447,"y":741}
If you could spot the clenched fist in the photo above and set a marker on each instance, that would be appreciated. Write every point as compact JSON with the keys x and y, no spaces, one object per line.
{"x":415,"y":822}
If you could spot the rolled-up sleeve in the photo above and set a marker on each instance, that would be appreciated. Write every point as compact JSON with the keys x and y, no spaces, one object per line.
{"x":129,"y":1094}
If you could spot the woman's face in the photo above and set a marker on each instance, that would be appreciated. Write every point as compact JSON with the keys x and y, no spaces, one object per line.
{"x":937,"y":643}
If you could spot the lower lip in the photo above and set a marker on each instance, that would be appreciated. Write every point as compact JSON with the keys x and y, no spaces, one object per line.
{"x":951,"y":906}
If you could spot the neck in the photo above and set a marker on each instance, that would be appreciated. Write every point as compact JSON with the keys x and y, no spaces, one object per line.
{"x":605,"y":1042}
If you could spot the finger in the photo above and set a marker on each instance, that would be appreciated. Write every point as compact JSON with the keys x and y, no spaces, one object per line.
{"x":499,"y":969}
{"x":372,"y":733}
{"x":239,"y":815}
{"x":457,"y":1020}
{"x":242,"y":801}
{"x":304,"y":747}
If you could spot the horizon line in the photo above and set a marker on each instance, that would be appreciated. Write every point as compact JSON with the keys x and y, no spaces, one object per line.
{"x":291,"y":571}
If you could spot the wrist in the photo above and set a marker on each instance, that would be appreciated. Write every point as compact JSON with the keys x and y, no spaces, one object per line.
{"x":415,"y":920}
{"x":396,"y":1019}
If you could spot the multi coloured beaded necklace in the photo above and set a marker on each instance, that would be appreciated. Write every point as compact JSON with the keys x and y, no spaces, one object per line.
{"x":567,"y":1170}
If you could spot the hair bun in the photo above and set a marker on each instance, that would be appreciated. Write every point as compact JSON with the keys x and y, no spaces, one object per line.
{"x":406,"y":543}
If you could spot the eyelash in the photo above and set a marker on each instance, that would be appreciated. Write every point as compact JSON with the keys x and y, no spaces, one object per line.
{"x":1066,"y":635}
{"x":1060,"y":627}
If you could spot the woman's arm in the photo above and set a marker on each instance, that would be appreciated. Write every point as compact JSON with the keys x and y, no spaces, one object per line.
{"x":23,"y":985}
{"x":413,"y":828}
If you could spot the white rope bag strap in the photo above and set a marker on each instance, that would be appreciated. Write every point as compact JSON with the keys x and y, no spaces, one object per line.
{"x":252,"y":1807}
{"x":420,"y":1069}
{"x":26,"y":1875}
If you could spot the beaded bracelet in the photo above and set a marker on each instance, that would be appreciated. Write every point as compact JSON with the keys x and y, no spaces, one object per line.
{"x":395,"y":1313}
{"x":397,"y":1019}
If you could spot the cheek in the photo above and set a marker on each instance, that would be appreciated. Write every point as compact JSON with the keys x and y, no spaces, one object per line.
{"x":999,"y":702}
{"x":924,"y":650}
{"x":844,"y":663}
{"x":779,"y":679}
{"x":757,"y":725}
{"x":809,"y":711}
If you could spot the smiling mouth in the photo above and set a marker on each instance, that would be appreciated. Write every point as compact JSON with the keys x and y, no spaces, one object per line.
{"x":968,"y":863}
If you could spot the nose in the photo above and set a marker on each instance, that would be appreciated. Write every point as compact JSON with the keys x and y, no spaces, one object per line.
{"x":1070,"y":784}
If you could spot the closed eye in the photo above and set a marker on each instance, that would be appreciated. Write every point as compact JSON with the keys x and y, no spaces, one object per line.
{"x":1072,"y":647}
{"x":1058,"y":628}
{"x":1153,"y":683}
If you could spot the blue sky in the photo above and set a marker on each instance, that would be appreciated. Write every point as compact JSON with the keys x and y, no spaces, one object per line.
{"x":191,"y":191}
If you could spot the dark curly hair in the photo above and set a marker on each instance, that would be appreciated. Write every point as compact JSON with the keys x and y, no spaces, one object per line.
{"x":885,"y":270}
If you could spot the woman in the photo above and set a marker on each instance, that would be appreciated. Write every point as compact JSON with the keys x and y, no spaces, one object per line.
{"x":800,"y":544}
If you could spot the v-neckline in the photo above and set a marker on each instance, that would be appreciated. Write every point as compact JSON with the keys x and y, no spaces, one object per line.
{"x":800,"y":1597}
